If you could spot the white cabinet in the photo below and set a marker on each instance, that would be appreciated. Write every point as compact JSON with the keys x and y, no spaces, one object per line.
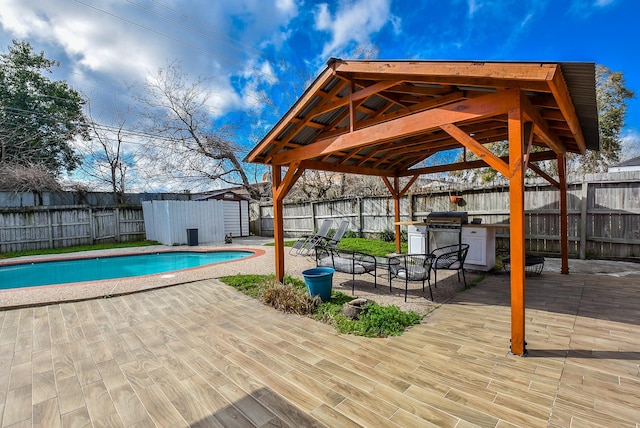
{"x":417,"y":239}
{"x":482,"y":247}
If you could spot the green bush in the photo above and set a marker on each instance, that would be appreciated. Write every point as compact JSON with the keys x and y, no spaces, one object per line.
{"x":387,"y":235}
{"x":351,"y":234}
{"x":374,"y":320}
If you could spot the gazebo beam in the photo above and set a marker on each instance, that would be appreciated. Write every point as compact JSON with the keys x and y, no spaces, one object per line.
{"x":563,"y":98}
{"x":481,"y":151}
{"x":473,"y":109}
{"x":459,"y":166}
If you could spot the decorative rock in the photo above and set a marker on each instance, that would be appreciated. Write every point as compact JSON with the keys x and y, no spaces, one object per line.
{"x":353,"y":308}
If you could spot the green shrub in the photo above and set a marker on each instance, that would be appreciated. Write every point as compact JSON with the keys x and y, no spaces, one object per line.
{"x":387,"y":235}
{"x":374,"y":320}
{"x":351,"y":234}
{"x":379,"y":321}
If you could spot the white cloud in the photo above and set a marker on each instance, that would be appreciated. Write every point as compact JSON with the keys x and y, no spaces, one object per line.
{"x":124,"y":43}
{"x":630,"y":144}
{"x":584,"y":8}
{"x":353,"y":22}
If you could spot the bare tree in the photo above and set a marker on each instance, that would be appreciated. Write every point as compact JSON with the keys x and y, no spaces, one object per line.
{"x":106,"y":159}
{"x":188,"y":146}
{"x":34,"y":178}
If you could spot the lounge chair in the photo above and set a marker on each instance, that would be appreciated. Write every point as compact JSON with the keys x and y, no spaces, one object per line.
{"x":305,"y":244}
{"x":337,"y":237}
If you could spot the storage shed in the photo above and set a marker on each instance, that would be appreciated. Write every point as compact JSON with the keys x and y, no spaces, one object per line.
{"x":236,"y":211}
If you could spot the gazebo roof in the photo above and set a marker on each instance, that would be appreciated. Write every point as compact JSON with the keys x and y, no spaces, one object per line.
{"x":402,"y":110}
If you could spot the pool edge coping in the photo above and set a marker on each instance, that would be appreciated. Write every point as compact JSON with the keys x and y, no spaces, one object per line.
{"x":88,"y":290}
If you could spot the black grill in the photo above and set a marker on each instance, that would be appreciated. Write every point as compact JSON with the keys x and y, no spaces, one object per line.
{"x":446,"y":219}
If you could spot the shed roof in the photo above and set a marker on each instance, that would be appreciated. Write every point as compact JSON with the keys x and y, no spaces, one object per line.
{"x":341,"y":123}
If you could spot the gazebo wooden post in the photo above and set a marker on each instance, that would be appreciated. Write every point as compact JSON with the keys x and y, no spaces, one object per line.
{"x":278,"y":220}
{"x":396,"y":209}
{"x":280,"y":188}
{"x":396,"y":193}
{"x":564,"y":220}
{"x":394,"y":189}
{"x":517,"y":167}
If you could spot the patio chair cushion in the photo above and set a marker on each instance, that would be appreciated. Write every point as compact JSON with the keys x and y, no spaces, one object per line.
{"x":325,"y":262}
{"x":416,"y":273}
{"x":347,"y":265}
{"x":445,"y":264}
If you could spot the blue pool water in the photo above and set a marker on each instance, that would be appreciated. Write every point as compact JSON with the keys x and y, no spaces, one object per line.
{"x":80,"y":270}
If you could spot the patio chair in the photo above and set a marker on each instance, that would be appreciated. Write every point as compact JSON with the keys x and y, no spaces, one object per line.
{"x":337,"y":237}
{"x":347,"y":261}
{"x":306,"y":243}
{"x":411,"y":267}
{"x":451,"y":257}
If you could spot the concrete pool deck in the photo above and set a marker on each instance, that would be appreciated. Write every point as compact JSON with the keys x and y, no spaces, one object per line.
{"x":261,"y":263}
{"x":203,"y":354}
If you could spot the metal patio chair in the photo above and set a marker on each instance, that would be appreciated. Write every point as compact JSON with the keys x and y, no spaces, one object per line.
{"x":305,"y":244}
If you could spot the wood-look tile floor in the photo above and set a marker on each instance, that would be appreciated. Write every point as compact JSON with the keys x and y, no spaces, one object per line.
{"x":202,"y":354}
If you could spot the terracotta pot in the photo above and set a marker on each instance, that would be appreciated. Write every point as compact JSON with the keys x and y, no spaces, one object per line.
{"x":455,"y":199}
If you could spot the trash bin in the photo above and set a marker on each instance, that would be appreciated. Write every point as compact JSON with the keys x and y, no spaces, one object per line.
{"x":319,"y":282}
{"x":192,"y":237}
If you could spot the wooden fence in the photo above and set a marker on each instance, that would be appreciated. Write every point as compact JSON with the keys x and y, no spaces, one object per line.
{"x":603,"y":211}
{"x":32,"y":228}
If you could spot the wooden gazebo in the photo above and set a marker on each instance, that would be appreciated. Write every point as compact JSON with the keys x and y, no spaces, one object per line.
{"x":385,"y":118}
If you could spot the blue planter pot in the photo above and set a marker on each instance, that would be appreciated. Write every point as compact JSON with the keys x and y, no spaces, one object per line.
{"x":319,"y":282}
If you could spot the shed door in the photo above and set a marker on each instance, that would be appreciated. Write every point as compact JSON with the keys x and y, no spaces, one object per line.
{"x":244,"y":217}
{"x":232,"y":218}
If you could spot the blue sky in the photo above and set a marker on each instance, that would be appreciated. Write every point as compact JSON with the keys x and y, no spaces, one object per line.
{"x":105,"y":46}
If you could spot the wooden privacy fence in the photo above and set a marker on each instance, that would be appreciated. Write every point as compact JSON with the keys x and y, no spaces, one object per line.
{"x":603,"y":210}
{"x":33,"y":228}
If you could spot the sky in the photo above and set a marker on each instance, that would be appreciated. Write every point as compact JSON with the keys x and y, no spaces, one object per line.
{"x":108,"y":48}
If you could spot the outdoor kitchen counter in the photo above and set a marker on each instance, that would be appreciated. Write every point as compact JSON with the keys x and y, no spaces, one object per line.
{"x":422,"y":223}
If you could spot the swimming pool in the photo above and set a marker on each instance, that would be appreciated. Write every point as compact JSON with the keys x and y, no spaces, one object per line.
{"x":93,"y":269}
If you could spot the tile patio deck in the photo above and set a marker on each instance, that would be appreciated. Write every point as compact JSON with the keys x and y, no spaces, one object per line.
{"x":202,"y":354}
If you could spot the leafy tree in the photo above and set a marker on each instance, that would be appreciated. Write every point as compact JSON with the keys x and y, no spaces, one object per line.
{"x":611,"y":97}
{"x":38,"y":116}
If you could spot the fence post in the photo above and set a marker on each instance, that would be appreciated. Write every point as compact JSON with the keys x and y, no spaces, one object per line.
{"x":50,"y":228}
{"x":410,"y":208}
{"x":360,"y":220}
{"x":116,"y":212}
{"x":313,"y":218}
{"x":584,"y":200}
{"x":91,"y":232}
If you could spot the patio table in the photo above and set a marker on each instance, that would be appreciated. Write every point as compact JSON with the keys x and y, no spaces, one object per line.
{"x":386,"y":263}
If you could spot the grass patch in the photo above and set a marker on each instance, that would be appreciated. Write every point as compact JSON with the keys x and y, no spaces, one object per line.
{"x":291,"y":296}
{"x":375,"y":247}
{"x":78,"y":248}
{"x":374,"y":321}
{"x":286,"y":243}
